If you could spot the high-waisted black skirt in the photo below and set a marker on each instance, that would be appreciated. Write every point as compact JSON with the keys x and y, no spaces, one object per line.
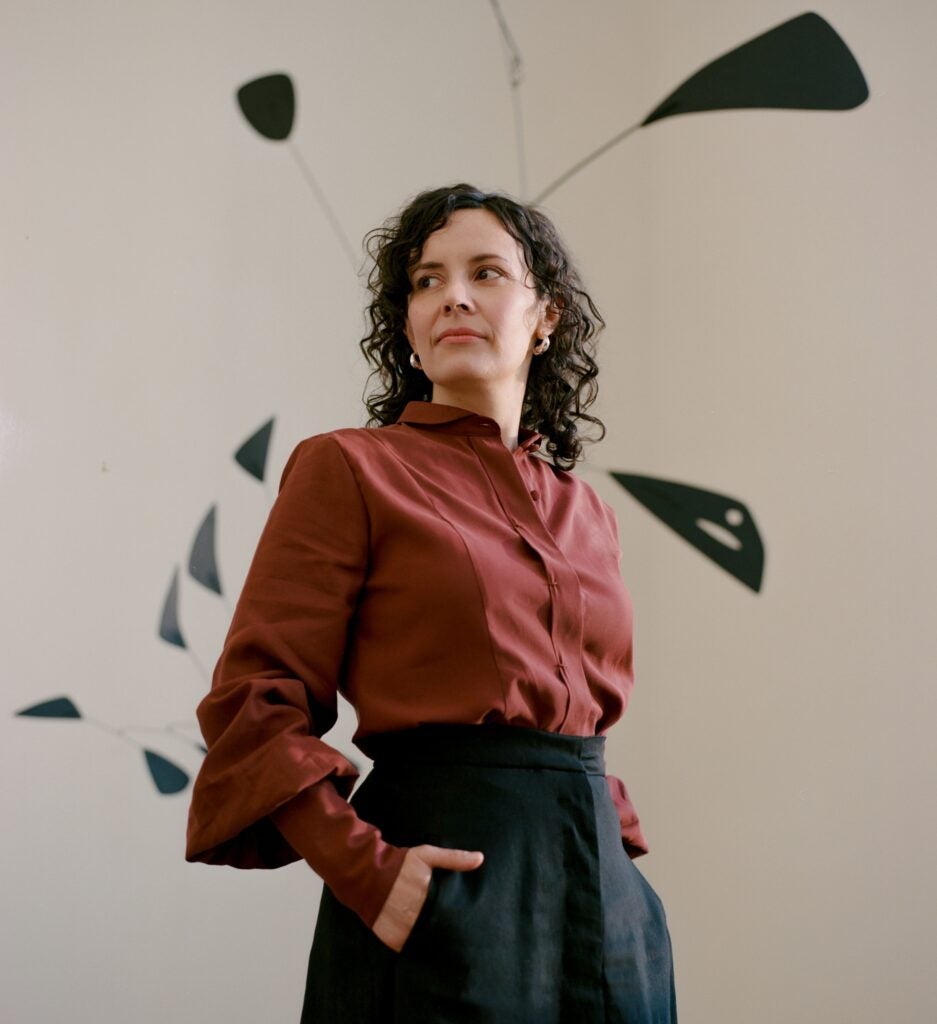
{"x":557,"y":926}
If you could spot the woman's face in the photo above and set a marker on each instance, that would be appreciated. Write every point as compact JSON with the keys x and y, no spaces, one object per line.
{"x":471,"y":277}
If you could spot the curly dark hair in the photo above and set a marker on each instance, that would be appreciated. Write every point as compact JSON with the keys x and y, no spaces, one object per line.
{"x":560,"y":384}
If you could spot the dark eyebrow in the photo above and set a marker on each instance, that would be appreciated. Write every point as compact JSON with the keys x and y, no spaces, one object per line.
{"x":475,"y":259}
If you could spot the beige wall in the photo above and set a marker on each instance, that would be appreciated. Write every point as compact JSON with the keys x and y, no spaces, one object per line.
{"x":169,"y":283}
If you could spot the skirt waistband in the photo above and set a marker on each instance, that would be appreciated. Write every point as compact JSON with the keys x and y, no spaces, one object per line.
{"x":509,"y":746}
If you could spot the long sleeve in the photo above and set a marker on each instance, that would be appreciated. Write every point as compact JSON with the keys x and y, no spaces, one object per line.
{"x":346,"y":852}
{"x":273,"y":695}
{"x":631,"y":835}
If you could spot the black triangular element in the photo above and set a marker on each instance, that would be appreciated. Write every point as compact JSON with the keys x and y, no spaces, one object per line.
{"x":269,"y":104}
{"x":252,"y":455}
{"x":802,"y":64}
{"x":203,"y":566}
{"x":698,"y":515}
{"x":58,"y":707}
{"x":169,"y":619}
{"x":169,"y":778}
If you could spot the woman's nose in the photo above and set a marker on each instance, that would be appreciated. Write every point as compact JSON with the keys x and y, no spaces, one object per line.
{"x":456,"y":297}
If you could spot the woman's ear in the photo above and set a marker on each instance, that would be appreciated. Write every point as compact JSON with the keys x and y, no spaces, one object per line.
{"x":550,"y":317}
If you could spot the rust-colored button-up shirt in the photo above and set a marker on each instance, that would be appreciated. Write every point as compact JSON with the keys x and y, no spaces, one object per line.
{"x":429,"y":574}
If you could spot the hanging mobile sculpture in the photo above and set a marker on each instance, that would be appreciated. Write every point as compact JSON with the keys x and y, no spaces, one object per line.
{"x":800,"y":64}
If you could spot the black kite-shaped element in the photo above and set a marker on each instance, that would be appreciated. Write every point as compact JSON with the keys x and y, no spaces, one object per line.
{"x":252,"y":455}
{"x":169,"y":629}
{"x":58,"y":707}
{"x":203,"y":566}
{"x":722,"y":528}
{"x":168,"y":778}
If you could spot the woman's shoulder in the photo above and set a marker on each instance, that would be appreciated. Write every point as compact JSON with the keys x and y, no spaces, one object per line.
{"x":350,"y":440}
{"x":355,"y":446}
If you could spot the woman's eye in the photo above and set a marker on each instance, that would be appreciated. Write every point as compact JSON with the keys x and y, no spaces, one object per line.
{"x":489,"y":270}
{"x":423,"y":282}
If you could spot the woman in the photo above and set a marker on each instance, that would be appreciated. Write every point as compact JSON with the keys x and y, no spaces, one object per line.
{"x":465,"y":596}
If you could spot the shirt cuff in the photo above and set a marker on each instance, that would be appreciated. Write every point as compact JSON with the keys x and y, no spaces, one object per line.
{"x":347,"y":853}
{"x":631,"y":835}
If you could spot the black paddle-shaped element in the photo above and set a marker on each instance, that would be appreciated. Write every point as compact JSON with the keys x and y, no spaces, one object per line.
{"x":722,"y":528}
{"x":269,"y":104}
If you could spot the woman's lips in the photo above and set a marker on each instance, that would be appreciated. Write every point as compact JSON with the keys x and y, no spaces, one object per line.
{"x":461,"y":333}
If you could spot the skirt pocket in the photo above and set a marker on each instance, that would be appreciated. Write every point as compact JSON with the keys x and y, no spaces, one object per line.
{"x":422,"y":922}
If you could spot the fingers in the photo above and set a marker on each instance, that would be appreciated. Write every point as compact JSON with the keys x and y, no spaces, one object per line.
{"x":408,"y":894}
{"x":452,"y":860}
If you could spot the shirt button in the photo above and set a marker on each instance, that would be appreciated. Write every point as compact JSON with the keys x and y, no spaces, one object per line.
{"x":535,"y":494}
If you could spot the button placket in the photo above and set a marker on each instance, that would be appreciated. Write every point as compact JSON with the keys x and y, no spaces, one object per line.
{"x":518,"y":500}
{"x":515,"y":496}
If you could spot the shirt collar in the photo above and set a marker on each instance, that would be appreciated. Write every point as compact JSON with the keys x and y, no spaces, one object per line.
{"x":449,"y":419}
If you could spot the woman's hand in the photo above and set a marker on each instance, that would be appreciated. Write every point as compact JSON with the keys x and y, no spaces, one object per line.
{"x":408,"y":894}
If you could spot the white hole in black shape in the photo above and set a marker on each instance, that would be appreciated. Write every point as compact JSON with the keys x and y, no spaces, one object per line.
{"x":719,"y":533}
